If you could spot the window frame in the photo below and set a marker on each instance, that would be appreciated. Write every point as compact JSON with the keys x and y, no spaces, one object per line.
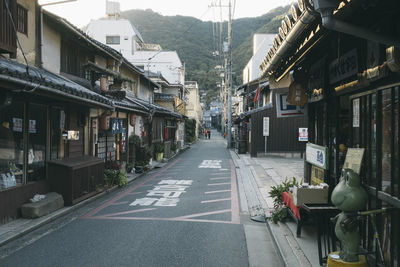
{"x":111,"y":41}
{"x":22,"y":19}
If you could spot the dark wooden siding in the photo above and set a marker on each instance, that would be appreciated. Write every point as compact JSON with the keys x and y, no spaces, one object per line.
{"x":283,"y":133}
{"x":12,"y":199}
{"x":8,"y":42}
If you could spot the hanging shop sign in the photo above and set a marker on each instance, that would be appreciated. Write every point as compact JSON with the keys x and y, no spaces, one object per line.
{"x":316,"y":81}
{"x":62,"y":119}
{"x":266,"y":126}
{"x":284,"y":110}
{"x":116,"y":126}
{"x":105,"y":123}
{"x":303,"y":134}
{"x":343,"y":67}
{"x":317,"y":155}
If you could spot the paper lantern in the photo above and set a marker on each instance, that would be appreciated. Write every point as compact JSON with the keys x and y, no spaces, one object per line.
{"x":105,"y":123}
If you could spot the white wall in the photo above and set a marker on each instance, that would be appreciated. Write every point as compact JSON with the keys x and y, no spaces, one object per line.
{"x":99,"y":29}
{"x":51,"y":50}
{"x":166,"y":62}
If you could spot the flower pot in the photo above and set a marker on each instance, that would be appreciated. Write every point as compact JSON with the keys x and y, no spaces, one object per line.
{"x":159,"y":156}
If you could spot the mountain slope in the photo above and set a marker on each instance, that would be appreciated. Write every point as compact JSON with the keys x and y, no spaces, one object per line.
{"x":193,"y":39}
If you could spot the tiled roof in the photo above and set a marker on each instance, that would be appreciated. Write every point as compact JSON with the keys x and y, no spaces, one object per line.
{"x":153,"y":108}
{"x":49,"y":82}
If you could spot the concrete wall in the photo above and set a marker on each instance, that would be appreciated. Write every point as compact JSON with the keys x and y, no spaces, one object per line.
{"x":166,"y":62}
{"x":51,"y":49}
{"x":99,"y":29}
{"x":261,"y":45}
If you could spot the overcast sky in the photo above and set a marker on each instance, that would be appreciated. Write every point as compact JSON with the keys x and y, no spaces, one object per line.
{"x":81,"y":12}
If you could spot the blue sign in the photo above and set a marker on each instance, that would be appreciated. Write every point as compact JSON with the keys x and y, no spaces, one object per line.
{"x":116,"y":126}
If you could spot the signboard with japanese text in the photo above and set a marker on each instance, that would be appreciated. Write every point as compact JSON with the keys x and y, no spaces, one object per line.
{"x":354,"y":159}
{"x":317,"y":175}
{"x":17,"y":124}
{"x":266,"y":126}
{"x":303,"y":134}
{"x":356,"y":112}
{"x":116,"y":126}
{"x":343,"y":67}
{"x":317,"y":155}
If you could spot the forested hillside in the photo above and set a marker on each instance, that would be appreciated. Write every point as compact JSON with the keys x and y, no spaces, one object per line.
{"x":193,"y":39}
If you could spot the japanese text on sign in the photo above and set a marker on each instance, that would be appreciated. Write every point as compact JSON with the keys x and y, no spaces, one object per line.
{"x":165,"y":194}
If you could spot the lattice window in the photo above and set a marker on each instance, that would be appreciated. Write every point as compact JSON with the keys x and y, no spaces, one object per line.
{"x":22,"y":19}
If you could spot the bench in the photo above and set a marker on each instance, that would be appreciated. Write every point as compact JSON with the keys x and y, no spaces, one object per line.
{"x":52,"y":202}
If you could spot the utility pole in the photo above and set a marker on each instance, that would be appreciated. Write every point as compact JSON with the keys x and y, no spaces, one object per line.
{"x":229,"y":69}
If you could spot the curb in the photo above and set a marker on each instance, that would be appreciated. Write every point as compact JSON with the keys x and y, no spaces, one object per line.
{"x":276,"y":243}
{"x":55,"y":215}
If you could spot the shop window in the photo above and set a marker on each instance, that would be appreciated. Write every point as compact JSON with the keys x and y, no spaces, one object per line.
{"x":11,"y":145}
{"x":36,"y":142}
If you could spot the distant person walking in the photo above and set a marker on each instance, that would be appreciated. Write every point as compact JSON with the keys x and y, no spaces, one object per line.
{"x":205,"y":133}
{"x":209,"y":134}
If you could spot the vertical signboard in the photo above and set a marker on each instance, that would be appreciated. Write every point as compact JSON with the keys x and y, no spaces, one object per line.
{"x":356,"y":113}
{"x":266,"y":126}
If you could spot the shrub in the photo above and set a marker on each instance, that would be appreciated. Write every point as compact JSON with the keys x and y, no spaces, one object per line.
{"x":113,"y":175}
{"x":135,"y":139}
{"x":158,"y":148}
{"x":280,"y":211}
{"x":143,"y":156}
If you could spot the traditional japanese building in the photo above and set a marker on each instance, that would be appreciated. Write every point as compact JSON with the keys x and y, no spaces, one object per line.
{"x":344,"y":56}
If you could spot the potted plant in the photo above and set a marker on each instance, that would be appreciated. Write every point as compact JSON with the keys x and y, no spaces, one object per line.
{"x":113,"y":174}
{"x":159,"y":151}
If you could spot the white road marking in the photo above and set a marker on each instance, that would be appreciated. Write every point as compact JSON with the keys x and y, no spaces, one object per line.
{"x":215,"y":200}
{"x":168,"y":190}
{"x":210,"y":164}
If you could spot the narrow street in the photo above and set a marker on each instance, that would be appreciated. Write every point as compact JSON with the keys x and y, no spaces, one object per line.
{"x":184,"y":214}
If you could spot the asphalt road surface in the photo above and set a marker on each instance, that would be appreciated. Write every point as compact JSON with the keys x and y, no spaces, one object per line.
{"x":184,"y":214}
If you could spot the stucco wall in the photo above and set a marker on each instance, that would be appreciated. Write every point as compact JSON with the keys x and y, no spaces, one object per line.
{"x":99,"y":29}
{"x":28,"y":42}
{"x":51,"y":49}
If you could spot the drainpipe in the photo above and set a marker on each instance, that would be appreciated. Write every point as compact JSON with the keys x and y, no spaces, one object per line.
{"x":301,"y":24}
{"x":326,"y":8}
